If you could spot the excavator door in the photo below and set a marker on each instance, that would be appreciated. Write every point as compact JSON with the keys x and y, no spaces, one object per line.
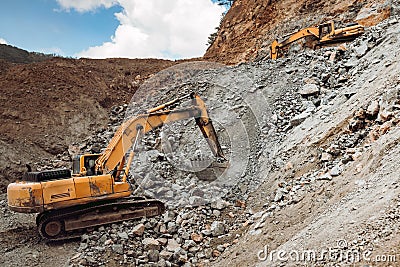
{"x":85,"y":164}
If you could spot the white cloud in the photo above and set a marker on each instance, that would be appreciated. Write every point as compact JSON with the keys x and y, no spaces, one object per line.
{"x":2,"y":41}
{"x":155,"y":28}
{"x":86,"y":5}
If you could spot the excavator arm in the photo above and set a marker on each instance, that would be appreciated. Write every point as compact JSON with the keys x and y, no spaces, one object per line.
{"x":277,"y":46}
{"x":129,"y":131}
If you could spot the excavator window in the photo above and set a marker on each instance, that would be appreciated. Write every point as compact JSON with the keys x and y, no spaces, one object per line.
{"x":324,"y":29}
{"x":90,"y":164}
{"x":76,"y":166}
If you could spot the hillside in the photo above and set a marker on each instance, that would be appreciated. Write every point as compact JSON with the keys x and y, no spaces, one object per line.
{"x":250,"y":26}
{"x":13,"y":54}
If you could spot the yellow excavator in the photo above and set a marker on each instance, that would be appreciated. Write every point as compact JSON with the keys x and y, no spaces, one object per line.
{"x":98,"y":190}
{"x":323,"y":34}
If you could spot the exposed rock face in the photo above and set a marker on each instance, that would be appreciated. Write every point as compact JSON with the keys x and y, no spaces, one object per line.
{"x":250,"y":26}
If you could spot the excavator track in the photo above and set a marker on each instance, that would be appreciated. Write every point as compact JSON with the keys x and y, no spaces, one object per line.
{"x":68,"y":223}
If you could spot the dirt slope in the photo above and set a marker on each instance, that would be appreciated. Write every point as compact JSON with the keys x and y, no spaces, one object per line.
{"x":251,"y":25}
{"x":350,"y":212}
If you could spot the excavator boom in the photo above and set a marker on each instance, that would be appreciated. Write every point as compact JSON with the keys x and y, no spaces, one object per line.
{"x":128,"y":131}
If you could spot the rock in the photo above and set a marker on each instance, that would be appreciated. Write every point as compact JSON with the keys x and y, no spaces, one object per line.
{"x":278,"y":196}
{"x":165,"y":254}
{"x":169,"y":215}
{"x":373,"y":109}
{"x":216,"y":253}
{"x":257,"y":215}
{"x":182,"y":257}
{"x":208,"y":252}
{"x":309,"y":90}
{"x":216,"y":213}
{"x":326,"y":157}
{"x":352,"y":62}
{"x":361,"y":50}
{"x":240,"y":203}
{"x":153,"y":255}
{"x":82,"y":246}
{"x":85,"y":238}
{"x":196,"y":237}
{"x":220,"y":248}
{"x":123,"y":235}
{"x":356,"y":155}
{"x":163,"y":241}
{"x":138,"y":229}
{"x":387,"y":103}
{"x":288,"y":166}
{"x":184,"y":234}
{"x":384,"y":115}
{"x":219,"y":204}
{"x":118,"y":248}
{"x":194,"y":249}
{"x":299,"y":118}
{"x":336,"y":171}
{"x":385,"y":127}
{"x":188,"y":244}
{"x":258,"y":225}
{"x":308,"y":106}
{"x":370,"y":15}
{"x":150,"y":243}
{"x":255,"y":232}
{"x":196,"y":201}
{"x":217,"y":228}
{"x":163,"y":229}
{"x":172,"y":227}
{"x":325,"y":176}
{"x":108,"y":242}
{"x":173,"y":245}
{"x":206,"y":232}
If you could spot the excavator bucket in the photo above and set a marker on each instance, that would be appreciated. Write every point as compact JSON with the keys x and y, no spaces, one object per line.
{"x":207,"y":169}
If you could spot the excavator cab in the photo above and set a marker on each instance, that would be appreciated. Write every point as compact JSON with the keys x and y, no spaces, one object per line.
{"x":85,"y":164}
{"x":326,"y":29}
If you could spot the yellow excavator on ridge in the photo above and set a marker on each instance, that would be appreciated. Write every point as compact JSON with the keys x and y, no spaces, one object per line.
{"x":322,"y":34}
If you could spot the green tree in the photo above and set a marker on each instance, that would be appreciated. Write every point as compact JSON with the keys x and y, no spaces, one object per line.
{"x":212,"y":37}
{"x":227,"y":3}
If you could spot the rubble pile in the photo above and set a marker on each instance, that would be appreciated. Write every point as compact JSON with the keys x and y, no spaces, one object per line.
{"x":190,"y":236}
{"x":292,"y":90}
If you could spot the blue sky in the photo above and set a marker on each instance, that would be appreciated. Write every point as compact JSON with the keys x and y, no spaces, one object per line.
{"x":41,"y":25}
{"x":108,"y":28}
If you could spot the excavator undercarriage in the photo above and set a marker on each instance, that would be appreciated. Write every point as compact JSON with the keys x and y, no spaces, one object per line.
{"x":65,"y":223}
